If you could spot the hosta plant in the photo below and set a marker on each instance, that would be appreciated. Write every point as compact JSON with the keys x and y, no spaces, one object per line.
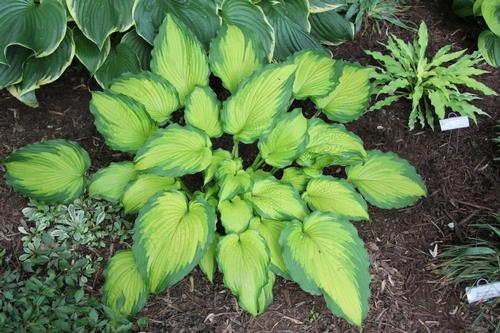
{"x":432,"y":85}
{"x":251,"y":219}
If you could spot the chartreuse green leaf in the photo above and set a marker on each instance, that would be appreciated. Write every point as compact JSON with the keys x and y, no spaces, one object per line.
{"x":179,"y":57}
{"x":489,"y":45}
{"x":491,"y":13}
{"x":145,"y":186}
{"x":154,"y":92}
{"x":202,"y":111}
{"x":233,"y":183}
{"x":329,"y":194}
{"x":13,"y":72}
{"x":276,"y":201}
{"x":218,"y":156}
{"x":251,"y":110}
{"x":234,"y":55}
{"x":123,"y":122}
{"x":266,"y":294}
{"x":386,"y":180}
{"x":326,"y":251}
{"x":208,"y":262}
{"x":88,"y":52}
{"x":109,"y":183}
{"x":235,"y":215}
{"x":22,"y":22}
{"x":125,"y":291}
{"x":170,"y":237}
{"x":295,"y":177}
{"x":52,"y":171}
{"x":271,"y":230}
{"x":175,"y":151}
{"x":121,"y":60}
{"x":286,"y":140}
{"x":350,"y":97}
{"x":244,"y":261}
{"x":99,"y":19}
{"x":315,"y":75}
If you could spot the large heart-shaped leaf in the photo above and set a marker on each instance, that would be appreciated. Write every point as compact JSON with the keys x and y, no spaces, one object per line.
{"x":52,"y":171}
{"x":202,"y":111}
{"x":88,"y":52}
{"x":489,"y":45}
{"x":144,"y":187}
{"x":170,"y":237}
{"x":235,"y":215}
{"x":109,"y":183}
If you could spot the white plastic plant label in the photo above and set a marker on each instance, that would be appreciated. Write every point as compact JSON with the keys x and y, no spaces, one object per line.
{"x":482,"y":292}
{"x":452,"y":123}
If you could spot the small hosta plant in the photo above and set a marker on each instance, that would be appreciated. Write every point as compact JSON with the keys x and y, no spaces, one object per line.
{"x":432,"y":85}
{"x":252,"y":220}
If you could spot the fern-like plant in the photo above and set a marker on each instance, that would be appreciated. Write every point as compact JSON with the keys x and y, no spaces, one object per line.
{"x":251,"y":220}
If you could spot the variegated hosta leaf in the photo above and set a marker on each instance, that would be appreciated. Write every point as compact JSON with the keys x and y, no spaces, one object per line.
{"x":109,"y":183}
{"x":387,"y":181}
{"x":154,"y":92}
{"x":170,"y":237}
{"x":235,"y":215}
{"x":202,"y":111}
{"x":139,"y":46}
{"x":99,"y":19}
{"x":234,"y":183}
{"x":319,"y":6}
{"x":276,"y":201}
{"x":489,"y":45}
{"x":244,"y":261}
{"x":350,"y":97}
{"x":316,"y":74}
{"x":286,"y":140}
{"x":331,"y":144}
{"x":200,"y":16}
{"x":251,"y":110}
{"x":234,"y":55}
{"x":271,"y":230}
{"x":28,"y":98}
{"x":144,"y":187}
{"x":247,"y":15}
{"x":329,"y":194}
{"x":13,"y":72}
{"x":23,"y":22}
{"x":175,"y":151}
{"x":327,"y":252}
{"x":52,"y":171}
{"x":491,"y":13}
{"x":121,"y":60}
{"x":123,"y":122}
{"x":295,"y":177}
{"x":88,"y":52}
{"x":218,"y":156}
{"x":331,"y":28}
{"x":125,"y":291}
{"x":208,"y":262}
{"x":179,"y":57}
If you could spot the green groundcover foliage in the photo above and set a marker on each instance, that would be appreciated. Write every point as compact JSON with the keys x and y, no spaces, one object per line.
{"x":278,"y":215}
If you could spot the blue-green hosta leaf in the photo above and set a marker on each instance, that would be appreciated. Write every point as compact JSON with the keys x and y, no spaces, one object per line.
{"x":296,"y":178}
{"x":175,"y":151}
{"x":315,"y":75}
{"x":276,"y":201}
{"x":123,"y":122}
{"x":286,"y":140}
{"x":139,"y":46}
{"x":234,"y":55}
{"x":202,"y":111}
{"x":327,"y":251}
{"x":235,"y":215}
{"x":179,"y":57}
{"x":251,"y":110}
{"x":13,"y":72}
{"x":52,"y":171}
{"x":208,"y":262}
{"x":125,"y":291}
{"x":387,"y":181}
{"x":170,"y":237}
{"x":244,"y":261}
{"x":331,"y":28}
{"x":329,"y":194}
{"x":99,"y":19}
{"x":154,"y":92}
{"x":217,"y":156}
{"x":247,"y":15}
{"x":489,"y":45}
{"x":331,"y":144}
{"x":491,"y":13}
{"x":200,"y":16}
{"x":23,"y":22}
{"x":271,"y":230}
{"x":144,"y":187}
{"x":88,"y":52}
{"x":350,"y":97}
{"x":110,"y":182}
{"x":121,"y":60}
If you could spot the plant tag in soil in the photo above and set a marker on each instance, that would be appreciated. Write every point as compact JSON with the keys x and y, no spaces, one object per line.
{"x":452,"y":123}
{"x":482,"y":292}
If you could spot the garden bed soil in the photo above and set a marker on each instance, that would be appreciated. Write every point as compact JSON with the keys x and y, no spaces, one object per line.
{"x":457,"y":167}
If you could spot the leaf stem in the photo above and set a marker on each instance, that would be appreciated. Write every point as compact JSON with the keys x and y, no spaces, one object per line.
{"x":318,"y":112}
{"x":273,"y":170}
{"x":236,"y":147}
{"x":257,"y":162}
{"x":186,"y":189}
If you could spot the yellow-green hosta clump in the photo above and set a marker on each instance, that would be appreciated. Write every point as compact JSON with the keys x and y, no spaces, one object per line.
{"x":249,"y":223}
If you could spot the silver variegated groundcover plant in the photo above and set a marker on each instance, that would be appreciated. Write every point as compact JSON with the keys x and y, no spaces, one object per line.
{"x":250,"y":224}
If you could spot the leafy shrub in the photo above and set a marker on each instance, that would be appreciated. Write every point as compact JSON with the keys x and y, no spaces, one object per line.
{"x":431,"y":85}
{"x":489,"y":40}
{"x":291,"y":221}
